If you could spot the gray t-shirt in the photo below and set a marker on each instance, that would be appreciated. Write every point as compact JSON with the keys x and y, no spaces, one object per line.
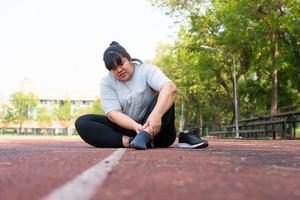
{"x":132,"y":96}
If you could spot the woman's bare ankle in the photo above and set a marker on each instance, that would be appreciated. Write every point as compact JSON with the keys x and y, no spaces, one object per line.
{"x":125,"y":141}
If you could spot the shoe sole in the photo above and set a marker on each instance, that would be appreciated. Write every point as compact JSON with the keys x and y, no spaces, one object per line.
{"x":195,"y":146}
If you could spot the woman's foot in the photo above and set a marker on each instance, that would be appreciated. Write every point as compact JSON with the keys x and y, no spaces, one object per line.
{"x":140,"y":141}
{"x":126,"y":141}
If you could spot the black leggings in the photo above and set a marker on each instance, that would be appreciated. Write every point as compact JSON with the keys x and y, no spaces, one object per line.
{"x":99,"y":131}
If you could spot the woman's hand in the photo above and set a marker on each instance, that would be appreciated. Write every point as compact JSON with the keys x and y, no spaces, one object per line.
{"x":138,"y":127}
{"x":153,"y":124}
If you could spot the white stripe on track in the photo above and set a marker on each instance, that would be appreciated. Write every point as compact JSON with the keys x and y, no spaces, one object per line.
{"x":85,"y":185}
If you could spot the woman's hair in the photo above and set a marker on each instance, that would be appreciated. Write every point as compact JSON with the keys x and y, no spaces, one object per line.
{"x":113,"y":55}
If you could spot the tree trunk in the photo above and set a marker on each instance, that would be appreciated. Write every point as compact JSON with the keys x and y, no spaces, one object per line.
{"x":274,"y":75}
{"x":181,"y":123}
{"x":274,"y":92}
{"x":20,"y":128}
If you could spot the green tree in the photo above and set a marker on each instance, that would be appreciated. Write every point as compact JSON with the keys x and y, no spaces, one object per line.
{"x":262,"y":35}
{"x":45,"y":118}
{"x":63,"y":113}
{"x":95,"y":108}
{"x":6,"y":116}
{"x":23,"y":106}
{"x":200,"y":99}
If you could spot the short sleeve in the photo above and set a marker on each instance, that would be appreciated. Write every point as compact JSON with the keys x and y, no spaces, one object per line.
{"x":108,"y":96}
{"x":155,"y":77}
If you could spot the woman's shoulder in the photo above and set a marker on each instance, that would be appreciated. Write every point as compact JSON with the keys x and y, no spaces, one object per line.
{"x":147,"y":67}
{"x":108,"y":79}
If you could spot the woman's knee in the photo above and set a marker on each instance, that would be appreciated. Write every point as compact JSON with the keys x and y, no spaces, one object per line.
{"x":83,"y":127}
{"x":82,"y":122}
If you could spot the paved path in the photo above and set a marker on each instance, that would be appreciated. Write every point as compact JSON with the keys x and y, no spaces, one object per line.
{"x":36,"y":167}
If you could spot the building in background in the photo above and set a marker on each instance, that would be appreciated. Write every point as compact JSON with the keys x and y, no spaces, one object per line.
{"x":51,"y":99}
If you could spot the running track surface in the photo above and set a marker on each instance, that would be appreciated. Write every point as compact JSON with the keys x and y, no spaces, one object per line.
{"x":49,"y":167}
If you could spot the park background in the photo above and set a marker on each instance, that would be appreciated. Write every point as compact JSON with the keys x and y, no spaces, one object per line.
{"x":262,"y":39}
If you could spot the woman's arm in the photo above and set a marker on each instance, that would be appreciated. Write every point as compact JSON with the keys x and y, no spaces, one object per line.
{"x":166,"y":98}
{"x":124,"y":121}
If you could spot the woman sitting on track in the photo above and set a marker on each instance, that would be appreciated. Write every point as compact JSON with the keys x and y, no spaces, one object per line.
{"x":138,"y":100}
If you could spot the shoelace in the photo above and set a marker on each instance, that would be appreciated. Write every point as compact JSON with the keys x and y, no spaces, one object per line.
{"x":193,"y":132}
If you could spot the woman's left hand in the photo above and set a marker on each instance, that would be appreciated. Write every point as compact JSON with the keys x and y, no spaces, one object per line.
{"x":153,"y":124}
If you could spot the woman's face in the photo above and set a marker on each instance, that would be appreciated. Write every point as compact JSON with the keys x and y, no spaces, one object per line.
{"x":123,"y":72}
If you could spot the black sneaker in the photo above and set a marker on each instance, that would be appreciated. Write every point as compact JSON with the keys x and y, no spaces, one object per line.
{"x":191,"y":140}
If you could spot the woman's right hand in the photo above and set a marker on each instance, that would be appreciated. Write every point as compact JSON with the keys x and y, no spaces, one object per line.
{"x":138,"y":127}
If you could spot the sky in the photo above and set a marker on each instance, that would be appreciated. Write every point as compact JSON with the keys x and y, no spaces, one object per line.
{"x":58,"y":44}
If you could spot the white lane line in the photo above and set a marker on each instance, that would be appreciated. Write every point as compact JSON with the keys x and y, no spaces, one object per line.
{"x":85,"y":185}
{"x":285,"y":168}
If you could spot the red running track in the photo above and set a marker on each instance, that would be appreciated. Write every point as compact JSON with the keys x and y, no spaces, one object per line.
{"x":32,"y":167}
